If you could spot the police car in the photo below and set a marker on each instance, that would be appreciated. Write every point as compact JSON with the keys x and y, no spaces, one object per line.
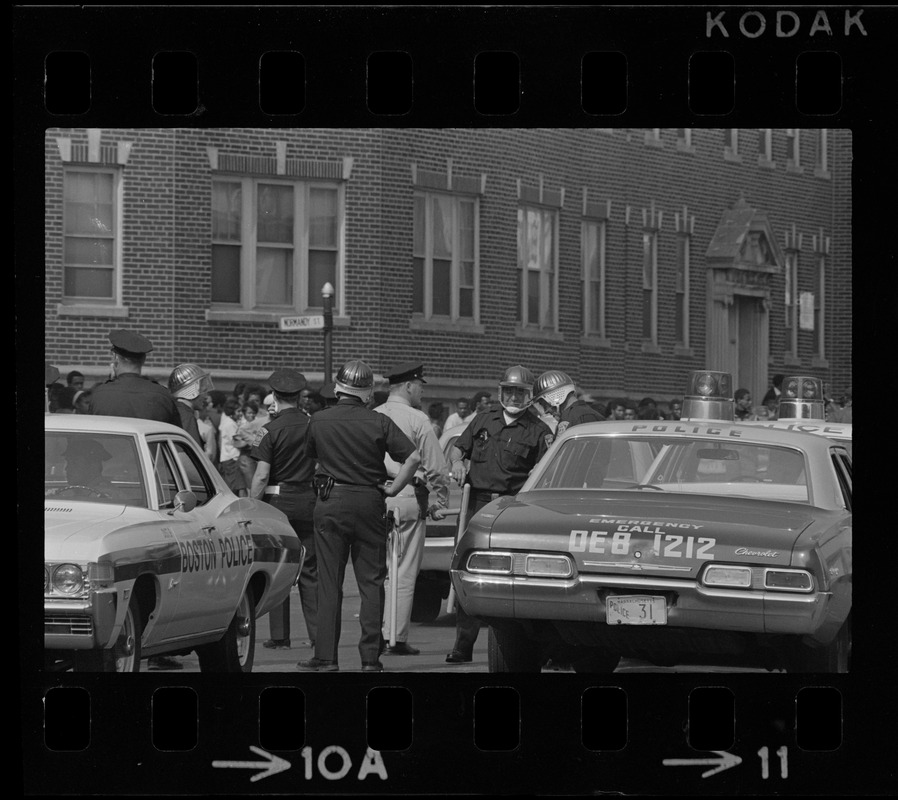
{"x":147,"y":551}
{"x":696,"y":541}
{"x":802,"y":407}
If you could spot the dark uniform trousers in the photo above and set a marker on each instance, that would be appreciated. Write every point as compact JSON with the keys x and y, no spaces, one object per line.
{"x":467,"y":628}
{"x":298,"y":505}
{"x":350,"y":524}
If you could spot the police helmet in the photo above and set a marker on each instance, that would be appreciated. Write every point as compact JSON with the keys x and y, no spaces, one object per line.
{"x":553,"y":387}
{"x":355,"y":378}
{"x":708,"y":396}
{"x":516,"y":389}
{"x":801,"y":397}
{"x":189,"y":381}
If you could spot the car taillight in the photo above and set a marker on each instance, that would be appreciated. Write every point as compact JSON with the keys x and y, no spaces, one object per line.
{"x":789,"y":580}
{"x":490,"y":563}
{"x":548,"y":566}
{"x":732,"y":577}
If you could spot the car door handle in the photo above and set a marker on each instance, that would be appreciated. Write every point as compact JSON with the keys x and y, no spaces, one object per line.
{"x":208,"y":529}
{"x":244,"y":522}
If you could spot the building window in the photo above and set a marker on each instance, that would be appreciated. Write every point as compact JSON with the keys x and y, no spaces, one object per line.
{"x":445,"y":256}
{"x":731,"y":142}
{"x":765,"y":147}
{"x":276,"y":243}
{"x":793,"y":149}
{"x":536,"y":266}
{"x":818,"y":305}
{"x":791,"y":299}
{"x":650,"y":285}
{"x":684,"y":137}
{"x":681,"y":311}
{"x":91,"y":228}
{"x":594,"y":278}
{"x":821,"y":170}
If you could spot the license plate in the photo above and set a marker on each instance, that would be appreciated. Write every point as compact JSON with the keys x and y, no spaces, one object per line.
{"x":635,"y":610}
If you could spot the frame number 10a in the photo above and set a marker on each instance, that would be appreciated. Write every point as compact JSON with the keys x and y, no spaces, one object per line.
{"x":783,"y":753}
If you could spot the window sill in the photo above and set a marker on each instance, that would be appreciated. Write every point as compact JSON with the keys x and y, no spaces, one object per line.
{"x":653,"y":141}
{"x":790,"y":360}
{"x":650,"y":347}
{"x":822,"y":173}
{"x":682,"y":147}
{"x":683,"y":351}
{"x":795,"y":170}
{"x":597,"y":342}
{"x":820,"y":361}
{"x":766,"y":163}
{"x":91,"y":310}
{"x":729,"y":155}
{"x":243,"y":317}
{"x":418,"y":323}
{"x":532,"y":332}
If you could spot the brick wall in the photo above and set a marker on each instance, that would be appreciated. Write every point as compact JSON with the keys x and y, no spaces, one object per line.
{"x":166,"y":250}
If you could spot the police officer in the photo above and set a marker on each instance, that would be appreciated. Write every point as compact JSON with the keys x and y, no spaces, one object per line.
{"x":349,"y":442}
{"x":411,"y":505}
{"x":190,"y":385}
{"x":128,"y":393}
{"x":554,"y":394}
{"x":503,"y":445}
{"x":283,"y":476}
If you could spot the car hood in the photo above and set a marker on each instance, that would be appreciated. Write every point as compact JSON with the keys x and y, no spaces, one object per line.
{"x":66,"y":523}
{"x":648,"y":531}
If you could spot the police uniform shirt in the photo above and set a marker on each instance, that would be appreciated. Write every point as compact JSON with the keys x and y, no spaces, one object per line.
{"x":578,"y":411}
{"x":349,"y":442}
{"x":188,"y":420}
{"x":502,"y":454}
{"x":133,"y":395}
{"x":415,"y":424}
{"x":280,"y":444}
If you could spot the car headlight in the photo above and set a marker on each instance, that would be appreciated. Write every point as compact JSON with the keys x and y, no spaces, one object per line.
{"x":68,"y":579}
{"x":788,"y":580}
{"x":539,"y":565}
{"x":732,"y":577}
{"x":491,"y":563}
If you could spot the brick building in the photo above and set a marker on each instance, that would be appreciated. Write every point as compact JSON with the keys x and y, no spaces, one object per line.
{"x":626,"y":257}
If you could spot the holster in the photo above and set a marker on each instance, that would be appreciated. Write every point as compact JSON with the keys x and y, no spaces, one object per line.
{"x":323,"y":485}
{"x":389,"y":521}
{"x":421,"y":496}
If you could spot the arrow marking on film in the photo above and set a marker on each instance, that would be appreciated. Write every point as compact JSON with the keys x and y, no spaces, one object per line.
{"x":272,"y":766}
{"x":725,"y":761}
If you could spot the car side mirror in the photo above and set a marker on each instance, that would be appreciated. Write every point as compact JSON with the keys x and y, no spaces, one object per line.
{"x":184,"y":501}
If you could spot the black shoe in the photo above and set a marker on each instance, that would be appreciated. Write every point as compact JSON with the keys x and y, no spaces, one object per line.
{"x":401,"y":649}
{"x":316,"y":664}
{"x":458,"y":657}
{"x":372,"y":666}
{"x":277,"y":644}
{"x":164,"y":662}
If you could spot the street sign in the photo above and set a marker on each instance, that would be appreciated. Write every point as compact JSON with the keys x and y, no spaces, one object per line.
{"x":310,"y":322}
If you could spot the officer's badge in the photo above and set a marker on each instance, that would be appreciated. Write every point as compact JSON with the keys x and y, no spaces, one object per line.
{"x":260,"y":435}
{"x":550,"y":437}
{"x":484,"y":435}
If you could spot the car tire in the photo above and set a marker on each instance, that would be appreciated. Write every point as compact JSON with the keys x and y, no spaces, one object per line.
{"x":124,"y":655}
{"x":426,"y":603}
{"x":235,"y":651}
{"x":832,"y":658}
{"x":510,"y":650}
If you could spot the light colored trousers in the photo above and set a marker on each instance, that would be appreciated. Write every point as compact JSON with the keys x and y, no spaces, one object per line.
{"x":411,"y":533}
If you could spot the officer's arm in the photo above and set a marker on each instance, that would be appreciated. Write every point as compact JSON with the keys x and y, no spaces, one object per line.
{"x":406,"y":473}
{"x":260,"y":479}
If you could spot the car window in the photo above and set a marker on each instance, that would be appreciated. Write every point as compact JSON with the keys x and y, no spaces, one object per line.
{"x":596,"y":462}
{"x":106,"y":466}
{"x":165,"y":475}
{"x":197,"y":477}
{"x":842,"y":466}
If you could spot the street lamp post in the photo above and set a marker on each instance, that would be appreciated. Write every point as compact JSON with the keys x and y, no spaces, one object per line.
{"x":327,"y":292}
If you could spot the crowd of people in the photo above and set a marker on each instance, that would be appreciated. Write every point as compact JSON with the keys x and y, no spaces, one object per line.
{"x":358,"y":471}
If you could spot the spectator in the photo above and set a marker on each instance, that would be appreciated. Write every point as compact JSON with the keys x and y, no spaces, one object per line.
{"x":305,"y":401}
{"x":76,"y":379}
{"x":64,"y":400}
{"x":647,"y":409}
{"x":842,"y":411}
{"x":207,"y":430}
{"x":82,"y":401}
{"x":616,"y":409}
{"x":217,"y":399}
{"x":464,"y":413}
{"x":435,"y":413}
{"x":773,"y":393}
{"x":482,"y":401}
{"x":228,"y":451}
{"x":674,"y":408}
{"x":316,"y":402}
{"x":629,"y":410}
{"x":256,"y":394}
{"x":742,"y":408}
{"x":248,"y":427}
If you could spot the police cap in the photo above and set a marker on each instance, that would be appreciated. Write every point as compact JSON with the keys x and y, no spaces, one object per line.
{"x":410,"y":371}
{"x":130,"y":343}
{"x":287,"y":381}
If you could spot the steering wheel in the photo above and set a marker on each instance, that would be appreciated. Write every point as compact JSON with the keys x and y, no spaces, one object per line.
{"x":91,"y":489}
